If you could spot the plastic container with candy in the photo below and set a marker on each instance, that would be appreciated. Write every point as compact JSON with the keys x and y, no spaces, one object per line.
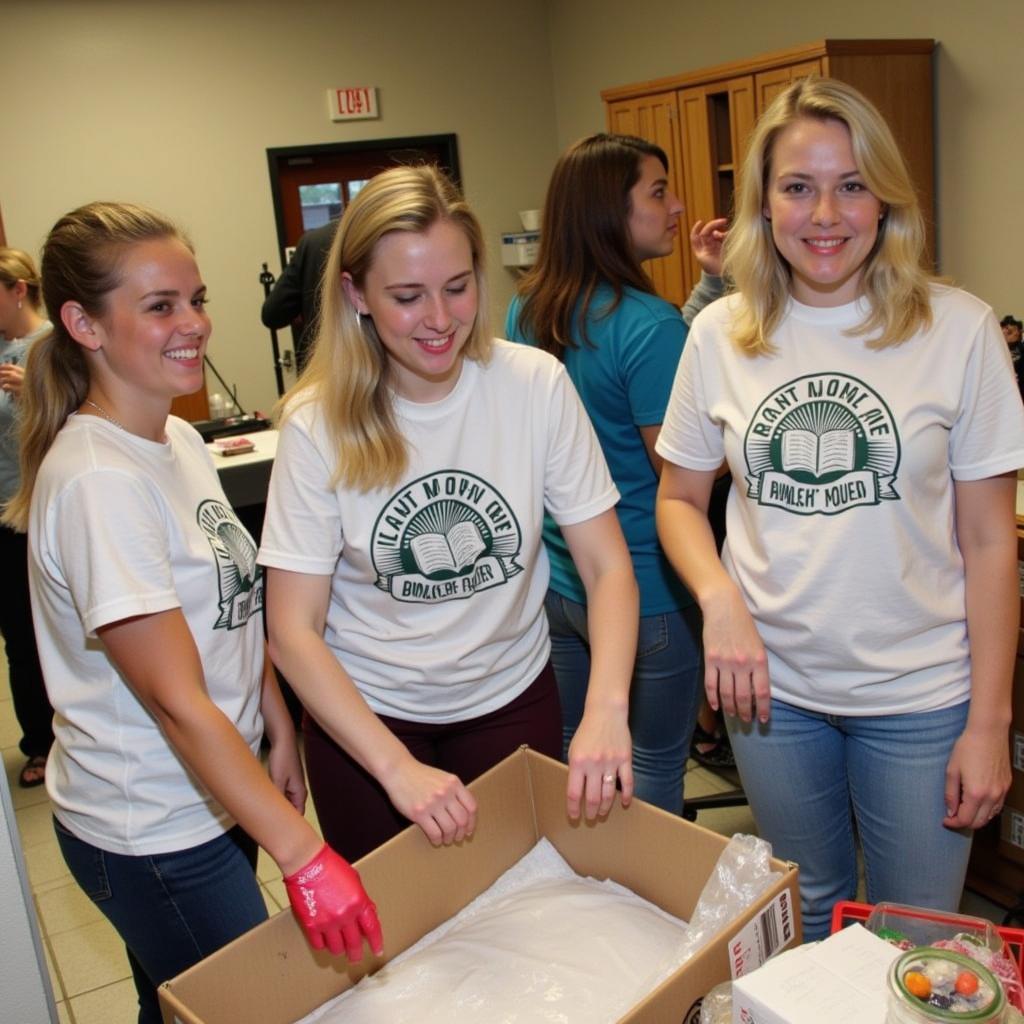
{"x":934,"y":986}
{"x":998,"y":950}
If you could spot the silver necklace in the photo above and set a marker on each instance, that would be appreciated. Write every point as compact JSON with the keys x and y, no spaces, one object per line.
{"x":106,"y":415}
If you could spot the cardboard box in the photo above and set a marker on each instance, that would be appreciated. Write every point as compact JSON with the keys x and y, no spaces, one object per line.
{"x":271,"y":976}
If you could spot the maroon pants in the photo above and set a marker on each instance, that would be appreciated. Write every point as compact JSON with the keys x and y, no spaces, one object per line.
{"x":355,"y":813}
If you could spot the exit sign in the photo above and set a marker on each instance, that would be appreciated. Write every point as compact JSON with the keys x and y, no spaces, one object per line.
{"x":353,"y":104}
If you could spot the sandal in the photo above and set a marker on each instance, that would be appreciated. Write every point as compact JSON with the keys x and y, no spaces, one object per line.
{"x":33,"y":773}
{"x":719,"y":752}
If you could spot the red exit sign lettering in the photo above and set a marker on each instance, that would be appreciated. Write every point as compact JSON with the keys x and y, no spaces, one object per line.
{"x":353,"y":103}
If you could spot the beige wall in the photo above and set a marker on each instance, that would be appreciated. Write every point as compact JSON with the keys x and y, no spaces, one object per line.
{"x":979,"y":93}
{"x":174,"y":104}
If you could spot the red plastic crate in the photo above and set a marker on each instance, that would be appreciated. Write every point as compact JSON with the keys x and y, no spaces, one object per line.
{"x":848,"y":912}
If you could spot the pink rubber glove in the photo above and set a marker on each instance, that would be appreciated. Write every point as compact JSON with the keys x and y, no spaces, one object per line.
{"x":332,"y":906}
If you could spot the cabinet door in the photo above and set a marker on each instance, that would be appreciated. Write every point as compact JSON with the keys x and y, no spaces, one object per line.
{"x":742,"y":116}
{"x":770,"y":83}
{"x":716,"y":121}
{"x":699,"y":175}
{"x":655,"y":118}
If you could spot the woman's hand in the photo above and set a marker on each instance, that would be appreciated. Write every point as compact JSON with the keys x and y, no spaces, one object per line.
{"x":12,"y":377}
{"x":706,"y":240}
{"x":735,"y":663}
{"x":977,"y":777}
{"x":600,"y":754}
{"x":435,"y":800}
{"x":332,"y":907}
{"x":285,"y":767}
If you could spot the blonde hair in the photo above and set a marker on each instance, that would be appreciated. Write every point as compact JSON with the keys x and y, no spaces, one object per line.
{"x":16,"y":266}
{"x":896,"y":284}
{"x":347,"y":372}
{"x":81,"y":263}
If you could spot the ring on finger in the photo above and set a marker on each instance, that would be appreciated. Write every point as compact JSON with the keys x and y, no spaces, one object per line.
{"x":608,"y":777}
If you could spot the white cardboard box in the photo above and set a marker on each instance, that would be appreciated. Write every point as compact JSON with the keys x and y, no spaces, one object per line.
{"x":842,"y":980}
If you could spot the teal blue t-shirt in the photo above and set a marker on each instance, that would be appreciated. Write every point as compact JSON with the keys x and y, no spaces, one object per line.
{"x":624,"y":378}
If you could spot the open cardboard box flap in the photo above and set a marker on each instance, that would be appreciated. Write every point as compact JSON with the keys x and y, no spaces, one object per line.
{"x":270,"y":975}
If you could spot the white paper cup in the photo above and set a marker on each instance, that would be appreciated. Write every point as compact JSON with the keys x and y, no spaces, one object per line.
{"x":530,"y":219}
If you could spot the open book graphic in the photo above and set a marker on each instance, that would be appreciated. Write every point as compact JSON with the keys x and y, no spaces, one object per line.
{"x":829,"y":453}
{"x":435,"y":552}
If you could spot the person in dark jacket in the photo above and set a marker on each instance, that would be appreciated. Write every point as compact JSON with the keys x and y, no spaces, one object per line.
{"x":295,"y":292}
{"x":1012,"y":328}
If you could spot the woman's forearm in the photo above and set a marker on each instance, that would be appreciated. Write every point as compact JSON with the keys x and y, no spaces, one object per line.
{"x":172,"y":689}
{"x":612,"y":619}
{"x":986,"y":534}
{"x":331,"y":697}
{"x":277,"y":722}
{"x":689,"y":543}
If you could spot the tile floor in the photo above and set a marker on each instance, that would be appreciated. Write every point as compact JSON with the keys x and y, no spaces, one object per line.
{"x":86,"y":960}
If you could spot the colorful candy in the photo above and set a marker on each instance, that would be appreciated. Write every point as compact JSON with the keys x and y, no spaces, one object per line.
{"x":928,"y":980}
{"x":917,"y":984}
{"x":967,"y":983}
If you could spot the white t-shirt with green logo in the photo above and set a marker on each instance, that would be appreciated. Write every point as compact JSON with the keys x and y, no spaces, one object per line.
{"x":841,"y":515}
{"x":438,"y":583}
{"x":119,"y":527}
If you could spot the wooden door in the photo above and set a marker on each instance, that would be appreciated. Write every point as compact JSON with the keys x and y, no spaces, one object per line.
{"x":742,"y":115}
{"x":312,"y":184}
{"x":698,"y":165}
{"x":715,"y":125}
{"x":655,"y":118}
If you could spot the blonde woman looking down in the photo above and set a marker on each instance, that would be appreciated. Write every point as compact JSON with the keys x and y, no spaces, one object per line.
{"x":406,"y":570}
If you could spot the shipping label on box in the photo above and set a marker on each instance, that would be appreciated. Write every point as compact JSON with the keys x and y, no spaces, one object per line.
{"x":767,"y":933}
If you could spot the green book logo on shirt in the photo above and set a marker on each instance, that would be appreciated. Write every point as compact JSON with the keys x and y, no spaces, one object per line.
{"x":822,"y":444}
{"x":239,"y":577}
{"x":445,"y":537}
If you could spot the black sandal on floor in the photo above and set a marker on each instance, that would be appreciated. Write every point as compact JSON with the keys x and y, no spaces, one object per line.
{"x":719,"y":752}
{"x":33,"y":773}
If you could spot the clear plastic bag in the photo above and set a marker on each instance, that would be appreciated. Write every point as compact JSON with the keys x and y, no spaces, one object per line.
{"x":544,"y":945}
{"x":717,"y":1005}
{"x":743,"y":873}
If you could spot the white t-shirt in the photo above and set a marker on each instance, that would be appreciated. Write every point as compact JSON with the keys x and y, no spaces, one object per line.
{"x":119,"y":527}
{"x":840,"y":521}
{"x":438,"y":583}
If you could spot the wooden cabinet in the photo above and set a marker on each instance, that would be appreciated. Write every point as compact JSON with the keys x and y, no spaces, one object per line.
{"x":715,"y":123}
{"x":770,"y":83}
{"x":192,"y":407}
{"x":703,"y":119}
{"x":654,"y":117}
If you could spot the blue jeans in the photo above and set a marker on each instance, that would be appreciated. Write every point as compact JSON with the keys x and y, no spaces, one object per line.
{"x":664,"y":696}
{"x":171,"y":909}
{"x":812,"y":779}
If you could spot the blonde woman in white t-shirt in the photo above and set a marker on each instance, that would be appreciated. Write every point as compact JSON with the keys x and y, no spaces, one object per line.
{"x":147,"y":603}
{"x":859,"y":630}
{"x":406,"y":570}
